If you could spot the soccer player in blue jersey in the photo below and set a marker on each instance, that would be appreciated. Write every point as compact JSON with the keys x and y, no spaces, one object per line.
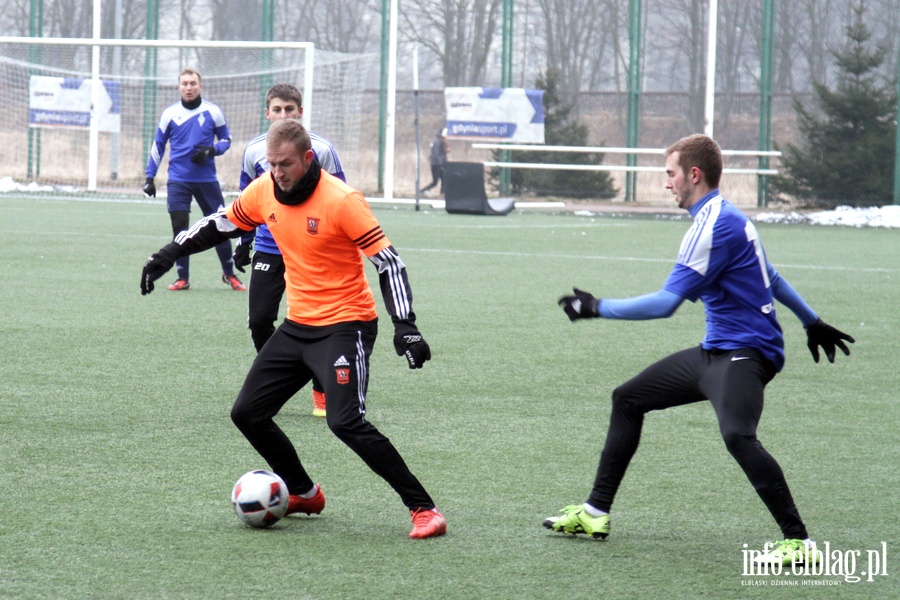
{"x":283,"y":101}
{"x":722,"y":263}
{"x":191,"y":127}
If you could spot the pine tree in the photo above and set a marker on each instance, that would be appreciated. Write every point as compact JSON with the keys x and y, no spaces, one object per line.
{"x":847,"y":156}
{"x":560,"y":129}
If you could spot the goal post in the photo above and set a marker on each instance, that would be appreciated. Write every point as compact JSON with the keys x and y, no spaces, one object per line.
{"x":114,"y":90}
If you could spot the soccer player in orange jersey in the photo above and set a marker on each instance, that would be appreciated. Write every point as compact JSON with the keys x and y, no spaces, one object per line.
{"x":323,"y":227}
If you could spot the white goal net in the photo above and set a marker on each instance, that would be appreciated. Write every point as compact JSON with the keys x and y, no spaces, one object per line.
{"x":53,"y":145}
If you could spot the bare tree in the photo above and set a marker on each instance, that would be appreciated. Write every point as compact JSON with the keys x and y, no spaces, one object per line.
{"x":14,"y":17}
{"x":67,"y":18}
{"x":460,"y":33}
{"x":883,"y":17}
{"x":610,"y":55}
{"x":736,"y":64}
{"x":676,"y":46}
{"x":236,"y":20}
{"x":579,"y":36}
{"x":817,"y":27}
{"x":333,"y":25}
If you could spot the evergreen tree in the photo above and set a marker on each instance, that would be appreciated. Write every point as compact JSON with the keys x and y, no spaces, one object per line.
{"x":560,"y":129}
{"x":847,"y":156}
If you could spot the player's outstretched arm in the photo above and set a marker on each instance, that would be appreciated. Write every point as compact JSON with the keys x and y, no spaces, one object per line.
{"x":656,"y":305}
{"x":158,"y":265}
{"x":206,"y":233}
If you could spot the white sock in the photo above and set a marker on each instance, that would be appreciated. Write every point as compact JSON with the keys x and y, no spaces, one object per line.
{"x":310,"y":493}
{"x":594,"y":512}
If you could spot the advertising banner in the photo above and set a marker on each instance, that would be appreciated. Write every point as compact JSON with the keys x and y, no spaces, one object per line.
{"x":513,"y":115}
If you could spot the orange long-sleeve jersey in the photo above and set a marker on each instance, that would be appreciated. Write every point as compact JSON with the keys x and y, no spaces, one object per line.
{"x":323,"y":241}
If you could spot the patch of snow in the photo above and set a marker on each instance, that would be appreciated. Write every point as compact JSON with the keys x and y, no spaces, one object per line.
{"x":873,"y":216}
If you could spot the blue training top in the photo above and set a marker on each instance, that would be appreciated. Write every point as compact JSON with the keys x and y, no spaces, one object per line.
{"x":722,"y":262}
{"x":185,"y":129}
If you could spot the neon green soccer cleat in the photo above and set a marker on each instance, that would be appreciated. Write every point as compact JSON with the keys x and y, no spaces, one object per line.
{"x":786,"y":552}
{"x":575,"y":519}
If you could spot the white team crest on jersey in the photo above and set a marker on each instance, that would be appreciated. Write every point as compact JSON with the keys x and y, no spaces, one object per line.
{"x":201,"y":119}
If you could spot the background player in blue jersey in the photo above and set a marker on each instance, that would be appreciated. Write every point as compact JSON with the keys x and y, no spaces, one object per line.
{"x":722,"y":263}
{"x":283,"y":101}
{"x":191,"y":127}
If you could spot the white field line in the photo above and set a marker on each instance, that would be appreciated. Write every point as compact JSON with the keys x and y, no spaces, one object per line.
{"x":546,"y":255}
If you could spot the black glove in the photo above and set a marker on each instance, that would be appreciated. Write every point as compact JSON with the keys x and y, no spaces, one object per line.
{"x":580,"y":306}
{"x":822,"y":334}
{"x":241,"y":256}
{"x":202,"y":153}
{"x":412,"y":345}
{"x":149,"y":188}
{"x":157,"y":266}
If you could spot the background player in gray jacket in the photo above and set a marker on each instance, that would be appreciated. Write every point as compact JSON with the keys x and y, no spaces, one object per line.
{"x":437,"y":159}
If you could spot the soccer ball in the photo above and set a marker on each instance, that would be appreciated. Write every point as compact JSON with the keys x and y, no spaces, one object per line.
{"x":260,"y":498}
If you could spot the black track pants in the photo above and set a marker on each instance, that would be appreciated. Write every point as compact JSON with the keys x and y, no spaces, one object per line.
{"x":734,"y":382}
{"x":340,"y":360}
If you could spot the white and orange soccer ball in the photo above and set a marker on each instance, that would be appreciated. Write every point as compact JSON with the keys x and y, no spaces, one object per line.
{"x":260,"y":498}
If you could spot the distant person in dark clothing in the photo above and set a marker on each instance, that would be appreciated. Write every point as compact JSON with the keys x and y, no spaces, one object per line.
{"x":438,"y":158}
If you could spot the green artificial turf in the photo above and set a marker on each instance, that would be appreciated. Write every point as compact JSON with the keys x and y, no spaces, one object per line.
{"x":117,"y":453}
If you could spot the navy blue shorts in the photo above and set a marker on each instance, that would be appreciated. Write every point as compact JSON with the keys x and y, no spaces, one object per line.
{"x":207,"y":193}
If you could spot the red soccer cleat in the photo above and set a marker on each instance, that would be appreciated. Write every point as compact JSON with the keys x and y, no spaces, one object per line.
{"x":310,"y":506}
{"x":234,"y":282}
{"x":427,"y":523}
{"x":318,"y":403}
{"x":180,"y":284}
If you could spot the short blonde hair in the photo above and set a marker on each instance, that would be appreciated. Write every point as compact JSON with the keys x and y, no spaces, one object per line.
{"x":289,"y":130}
{"x":190,"y":71}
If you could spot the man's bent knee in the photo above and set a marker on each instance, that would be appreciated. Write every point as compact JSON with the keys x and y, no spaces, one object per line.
{"x":245,"y":418}
{"x":622,"y":400}
{"x":347,"y":430}
{"x":740,"y":444}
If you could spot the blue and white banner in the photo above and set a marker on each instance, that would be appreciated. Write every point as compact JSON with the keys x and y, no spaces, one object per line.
{"x":65,"y":102}
{"x":512,"y":115}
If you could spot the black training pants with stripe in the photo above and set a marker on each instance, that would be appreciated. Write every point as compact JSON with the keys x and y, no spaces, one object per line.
{"x":734,"y":382}
{"x":266,"y":291}
{"x":339,"y":359}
